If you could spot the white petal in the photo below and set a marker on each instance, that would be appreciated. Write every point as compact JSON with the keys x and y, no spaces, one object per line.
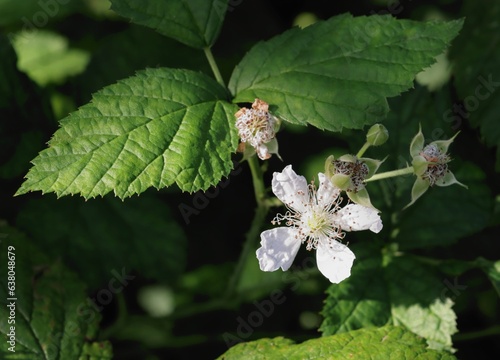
{"x":279,"y":248}
{"x":327,"y":193}
{"x":354,"y":217}
{"x":335,"y":262}
{"x":291,"y":189}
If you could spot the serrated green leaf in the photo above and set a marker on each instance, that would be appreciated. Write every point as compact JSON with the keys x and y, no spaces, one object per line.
{"x":477,"y":75}
{"x":52,"y":317}
{"x":47,"y":58}
{"x":385,"y":343}
{"x":395,"y":291}
{"x":338,"y":73}
{"x":137,"y":235}
{"x":196,"y":23}
{"x":160,"y":127}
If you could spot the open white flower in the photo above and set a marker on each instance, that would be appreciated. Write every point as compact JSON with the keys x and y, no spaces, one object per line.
{"x":317,"y":219}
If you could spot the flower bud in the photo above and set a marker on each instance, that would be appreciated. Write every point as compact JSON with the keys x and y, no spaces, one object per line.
{"x":377,"y":135}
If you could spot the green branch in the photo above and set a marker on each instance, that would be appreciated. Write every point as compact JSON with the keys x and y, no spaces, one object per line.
{"x":213,"y":66}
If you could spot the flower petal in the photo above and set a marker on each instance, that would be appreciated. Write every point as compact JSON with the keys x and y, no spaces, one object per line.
{"x":335,"y":261}
{"x":354,"y":217}
{"x":291,"y":189}
{"x":279,"y":248}
{"x":327,"y":193}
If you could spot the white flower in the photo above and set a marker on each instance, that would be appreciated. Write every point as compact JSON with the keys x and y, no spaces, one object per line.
{"x":317,"y":219}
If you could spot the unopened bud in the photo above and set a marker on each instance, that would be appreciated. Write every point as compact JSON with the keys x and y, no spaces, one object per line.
{"x":377,"y":135}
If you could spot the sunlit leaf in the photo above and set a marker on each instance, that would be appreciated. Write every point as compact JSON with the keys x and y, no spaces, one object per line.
{"x":338,"y":73}
{"x":160,"y":127}
{"x":385,"y":343}
{"x":394,"y":290}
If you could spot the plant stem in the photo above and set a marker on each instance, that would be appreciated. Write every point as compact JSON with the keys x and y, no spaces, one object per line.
{"x":252,"y":236}
{"x":393,"y":173}
{"x":362,"y":150}
{"x":258,"y":181}
{"x":213,"y":65}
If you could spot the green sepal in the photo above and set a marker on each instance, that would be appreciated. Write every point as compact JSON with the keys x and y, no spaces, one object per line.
{"x":341,"y":181}
{"x":444,"y":144}
{"x":372,"y":164}
{"x":449,"y":179}
{"x":361,"y":197}
{"x":420,"y":165}
{"x":417,"y":144}
{"x":419,"y":188}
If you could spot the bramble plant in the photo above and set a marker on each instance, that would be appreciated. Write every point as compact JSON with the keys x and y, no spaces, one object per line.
{"x":122,"y":269}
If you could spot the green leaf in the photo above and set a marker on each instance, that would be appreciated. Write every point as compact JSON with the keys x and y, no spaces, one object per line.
{"x":160,"y":127}
{"x":392,"y":290}
{"x":46,"y":57}
{"x":338,"y":73}
{"x":477,"y":74}
{"x":137,"y":235}
{"x":385,"y":343}
{"x":196,"y":23}
{"x":52,"y":317}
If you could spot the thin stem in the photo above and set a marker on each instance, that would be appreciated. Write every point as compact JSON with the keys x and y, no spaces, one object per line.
{"x":252,"y":235}
{"x":362,"y":150}
{"x":258,"y":181}
{"x":393,"y":173}
{"x":213,"y":65}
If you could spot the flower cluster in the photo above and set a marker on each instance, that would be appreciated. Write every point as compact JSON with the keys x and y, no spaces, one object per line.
{"x":257,"y":127}
{"x":316,"y":218}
